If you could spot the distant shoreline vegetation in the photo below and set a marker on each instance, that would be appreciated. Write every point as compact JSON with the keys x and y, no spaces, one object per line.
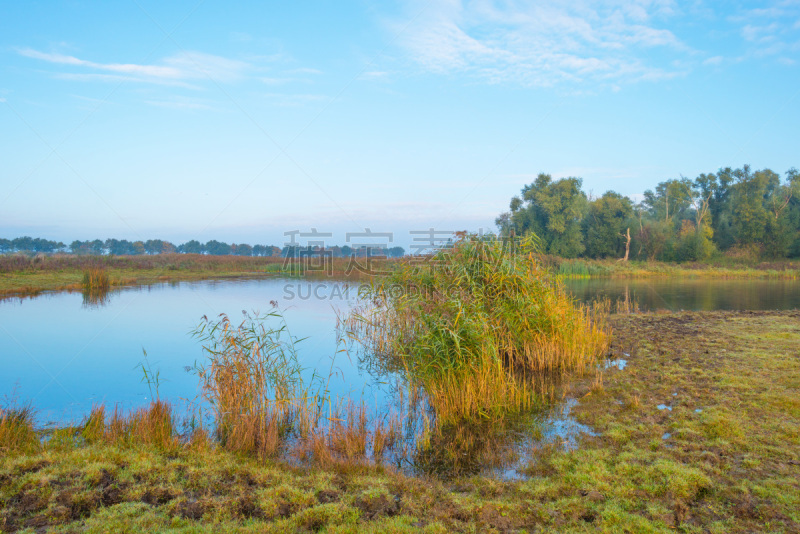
{"x":123,"y":247}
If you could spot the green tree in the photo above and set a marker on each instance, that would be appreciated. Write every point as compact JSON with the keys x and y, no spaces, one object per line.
{"x":792,"y":214}
{"x":78,"y":247}
{"x":655,"y":239}
{"x":217,"y":248}
{"x":242,"y":250}
{"x":153,"y":246}
{"x":748,"y":204}
{"x":191,"y":247}
{"x":551,"y":210}
{"x":22,"y":244}
{"x":703,"y":246}
{"x":671,"y":201}
{"x":715,"y":190}
{"x":780,"y":231}
{"x":608,"y":218}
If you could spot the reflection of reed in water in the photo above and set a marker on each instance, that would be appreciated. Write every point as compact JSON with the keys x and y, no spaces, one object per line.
{"x":96,"y":285}
{"x":466,"y":447}
{"x":623,"y":305}
{"x":95,"y":298}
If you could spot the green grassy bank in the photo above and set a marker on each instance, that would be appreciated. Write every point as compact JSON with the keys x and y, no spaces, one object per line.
{"x":730,"y":461}
{"x":721,"y":269}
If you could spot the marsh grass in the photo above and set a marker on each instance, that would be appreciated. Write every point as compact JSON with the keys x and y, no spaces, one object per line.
{"x":252,"y":380}
{"x":263,"y":406}
{"x":475,"y":325}
{"x":96,"y":279}
{"x":95,"y":286}
{"x":17,"y":433}
{"x":581,"y":269}
{"x":152,"y":425}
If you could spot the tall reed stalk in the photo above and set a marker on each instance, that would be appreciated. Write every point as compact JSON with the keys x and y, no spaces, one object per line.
{"x":253,"y":382}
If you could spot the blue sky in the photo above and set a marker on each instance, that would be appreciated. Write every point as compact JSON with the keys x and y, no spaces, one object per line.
{"x":242,"y":121}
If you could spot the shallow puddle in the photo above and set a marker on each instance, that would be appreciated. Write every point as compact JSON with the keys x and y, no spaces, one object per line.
{"x":618,"y":363}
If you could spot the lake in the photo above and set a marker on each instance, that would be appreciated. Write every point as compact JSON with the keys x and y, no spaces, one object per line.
{"x":65,"y":354}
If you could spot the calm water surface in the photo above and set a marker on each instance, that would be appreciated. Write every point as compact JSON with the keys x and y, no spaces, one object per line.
{"x":693,"y":294}
{"x":64,"y":355}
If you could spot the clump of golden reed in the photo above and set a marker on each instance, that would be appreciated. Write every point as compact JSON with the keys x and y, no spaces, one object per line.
{"x":151,"y":425}
{"x":476,"y":324}
{"x":17,"y":434}
{"x":253,"y":382}
{"x":261,"y":405}
{"x":96,"y":279}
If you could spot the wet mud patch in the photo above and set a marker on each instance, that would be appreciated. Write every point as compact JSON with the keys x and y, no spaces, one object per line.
{"x":383,"y":504}
{"x":157,"y":496}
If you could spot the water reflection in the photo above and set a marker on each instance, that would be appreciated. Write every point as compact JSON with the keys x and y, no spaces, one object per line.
{"x":506,"y":451}
{"x":95,"y":298}
{"x":500,"y":446}
{"x":691,"y":294}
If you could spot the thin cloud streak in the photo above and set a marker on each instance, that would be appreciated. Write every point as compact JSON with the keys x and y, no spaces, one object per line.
{"x":175,"y":69}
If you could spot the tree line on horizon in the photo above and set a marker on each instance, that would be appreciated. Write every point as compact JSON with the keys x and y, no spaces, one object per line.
{"x":123,"y":247}
{"x":733,"y":212}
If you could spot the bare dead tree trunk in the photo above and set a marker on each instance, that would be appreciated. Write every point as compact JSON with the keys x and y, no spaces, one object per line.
{"x":627,"y":244}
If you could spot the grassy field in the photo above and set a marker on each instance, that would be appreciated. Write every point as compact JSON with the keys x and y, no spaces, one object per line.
{"x":723,"y":455}
{"x":23,"y":275}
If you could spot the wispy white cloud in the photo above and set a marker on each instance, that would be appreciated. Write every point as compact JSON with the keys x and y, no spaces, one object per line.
{"x":715,"y":60}
{"x":756,"y":33}
{"x":178,"y":68}
{"x":544,"y":43}
{"x":97,"y":77}
{"x":770,"y":31}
